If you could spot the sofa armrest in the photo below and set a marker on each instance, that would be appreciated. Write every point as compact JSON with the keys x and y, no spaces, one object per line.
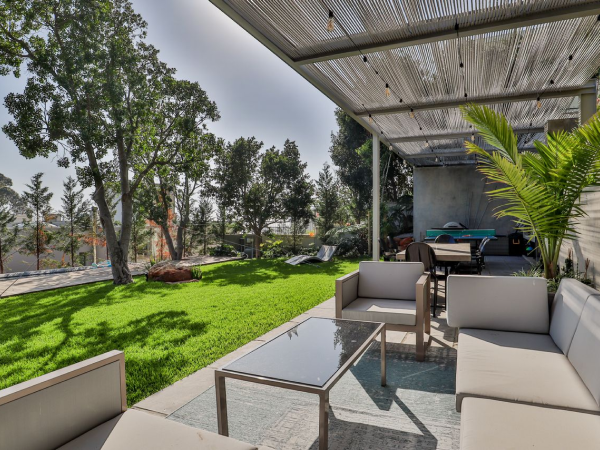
{"x":51,"y":410}
{"x":346,"y":291}
{"x":423,"y":296}
{"x":511,"y":303}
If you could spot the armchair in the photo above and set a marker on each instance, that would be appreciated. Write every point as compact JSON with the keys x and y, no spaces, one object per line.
{"x":397,"y":294}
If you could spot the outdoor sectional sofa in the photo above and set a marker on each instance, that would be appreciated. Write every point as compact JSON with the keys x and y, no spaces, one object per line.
{"x":528,"y":373}
{"x":84,"y":407}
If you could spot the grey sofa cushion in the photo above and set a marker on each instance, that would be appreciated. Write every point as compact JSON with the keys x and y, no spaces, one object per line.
{"x":584,"y":352}
{"x":397,"y":312}
{"x":395,"y":280}
{"x":566,"y":310}
{"x":137,"y":430}
{"x":494,"y":425}
{"x":498,"y":303}
{"x":518,"y":367}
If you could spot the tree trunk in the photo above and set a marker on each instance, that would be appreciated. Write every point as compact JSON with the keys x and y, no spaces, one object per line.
{"x":257,"y":242}
{"x":72,"y":244}
{"x":167,"y":234}
{"x":1,"y":257}
{"x":118,"y":259}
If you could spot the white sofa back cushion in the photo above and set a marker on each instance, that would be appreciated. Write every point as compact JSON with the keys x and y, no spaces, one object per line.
{"x":392,"y":280}
{"x":584,"y":352}
{"x":498,"y":303}
{"x":567,"y":306}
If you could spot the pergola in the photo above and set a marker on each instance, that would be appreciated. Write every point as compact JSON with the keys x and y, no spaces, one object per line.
{"x":402,"y":68}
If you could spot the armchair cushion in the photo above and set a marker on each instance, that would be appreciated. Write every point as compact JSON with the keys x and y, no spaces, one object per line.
{"x":498,"y":303}
{"x":396,"y":312}
{"x":518,"y":367}
{"x":391,"y":280}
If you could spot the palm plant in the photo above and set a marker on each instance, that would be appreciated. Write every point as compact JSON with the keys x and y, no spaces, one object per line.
{"x":541,"y":190}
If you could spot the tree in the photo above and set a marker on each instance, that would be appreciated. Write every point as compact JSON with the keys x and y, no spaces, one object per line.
{"x":8,"y":196}
{"x":353,"y":171}
{"x":8,"y":236}
{"x":327,"y":201}
{"x":298,"y":197}
{"x":36,"y":238}
{"x":253,"y":184}
{"x":76,"y":215}
{"x":542,"y":190}
{"x":201,"y":216}
{"x":97,"y":87}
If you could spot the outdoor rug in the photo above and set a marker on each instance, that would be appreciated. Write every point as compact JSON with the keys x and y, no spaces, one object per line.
{"x":414,"y":411}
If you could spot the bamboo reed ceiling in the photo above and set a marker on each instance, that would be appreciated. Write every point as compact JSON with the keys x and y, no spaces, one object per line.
{"x":433,"y":52}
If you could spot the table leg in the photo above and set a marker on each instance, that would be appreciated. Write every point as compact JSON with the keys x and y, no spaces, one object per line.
{"x":383,"y":362}
{"x":222,"y":424}
{"x":324,"y":421}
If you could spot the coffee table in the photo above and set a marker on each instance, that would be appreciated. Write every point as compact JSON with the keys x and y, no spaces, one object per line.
{"x":311,"y":357}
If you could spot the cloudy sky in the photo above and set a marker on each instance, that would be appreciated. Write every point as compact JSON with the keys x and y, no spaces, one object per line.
{"x":257,"y":94}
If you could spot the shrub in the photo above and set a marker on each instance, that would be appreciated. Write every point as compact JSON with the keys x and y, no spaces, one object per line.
{"x":222,"y":250}
{"x":197,"y":272}
{"x":351,"y":240}
{"x":275,"y":249}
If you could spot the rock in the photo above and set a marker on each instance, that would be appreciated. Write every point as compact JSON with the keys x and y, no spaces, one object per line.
{"x":169,"y":271}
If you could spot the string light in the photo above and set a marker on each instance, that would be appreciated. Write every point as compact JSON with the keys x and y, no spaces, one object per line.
{"x":387,"y":90}
{"x":437,"y":160}
{"x":330,"y":24}
{"x":370,"y":118}
{"x":472,"y":137}
{"x":391,"y":148}
{"x":412,"y":113}
{"x":364,"y":58}
{"x":539,"y":102}
{"x":426,"y":143}
{"x":570,"y":64}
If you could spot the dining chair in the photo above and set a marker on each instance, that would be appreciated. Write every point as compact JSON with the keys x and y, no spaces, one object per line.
{"x":422,"y":252}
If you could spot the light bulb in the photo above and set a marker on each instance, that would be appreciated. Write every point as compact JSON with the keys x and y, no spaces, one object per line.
{"x":570,"y":65}
{"x":437,"y":159}
{"x":539,"y":103}
{"x":330,"y":24}
{"x":426,"y":143}
{"x":387,"y":90}
{"x":390,"y":147}
{"x":412,"y":113}
{"x":370,"y":119}
{"x":472,"y":137}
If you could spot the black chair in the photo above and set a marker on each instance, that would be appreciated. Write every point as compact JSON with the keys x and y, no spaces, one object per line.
{"x":477,"y":259}
{"x":445,"y":239}
{"x":388,"y":254}
{"x":421,"y":252}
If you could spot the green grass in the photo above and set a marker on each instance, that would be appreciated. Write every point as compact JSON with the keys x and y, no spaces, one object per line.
{"x":166,"y":331}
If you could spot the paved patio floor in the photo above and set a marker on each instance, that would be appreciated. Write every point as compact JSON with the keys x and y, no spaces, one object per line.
{"x":177,"y":395}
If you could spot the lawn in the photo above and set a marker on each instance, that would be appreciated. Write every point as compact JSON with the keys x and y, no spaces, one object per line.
{"x":166,"y":331}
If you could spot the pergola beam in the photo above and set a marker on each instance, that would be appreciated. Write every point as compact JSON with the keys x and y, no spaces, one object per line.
{"x":525,"y":20}
{"x":439,"y":137}
{"x":589,"y":88}
{"x":442,"y":153}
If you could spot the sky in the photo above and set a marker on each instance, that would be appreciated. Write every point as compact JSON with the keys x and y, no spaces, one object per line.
{"x":257,"y":94}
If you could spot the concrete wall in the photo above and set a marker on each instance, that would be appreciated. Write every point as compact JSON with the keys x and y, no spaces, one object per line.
{"x":587,"y":245}
{"x":456,"y":194}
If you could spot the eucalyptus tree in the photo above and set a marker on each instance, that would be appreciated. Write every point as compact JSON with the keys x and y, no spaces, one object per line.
{"x":36,"y":237}
{"x":98,"y":92}
{"x":76,"y":213}
{"x":541,"y":190}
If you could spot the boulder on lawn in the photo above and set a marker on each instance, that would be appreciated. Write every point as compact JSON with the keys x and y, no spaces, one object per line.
{"x":169,"y":271}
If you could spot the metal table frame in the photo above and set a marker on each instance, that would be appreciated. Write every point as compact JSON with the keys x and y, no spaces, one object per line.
{"x":322,"y":392}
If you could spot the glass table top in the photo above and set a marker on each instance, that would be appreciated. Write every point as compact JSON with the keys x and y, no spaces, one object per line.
{"x":310,"y":353}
